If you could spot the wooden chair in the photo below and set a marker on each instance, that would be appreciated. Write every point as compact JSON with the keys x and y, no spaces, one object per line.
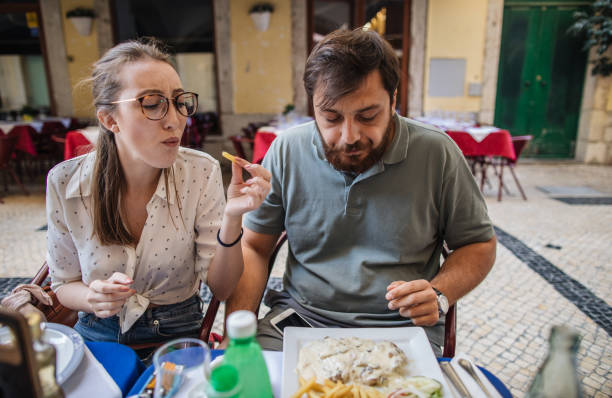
{"x":7,"y":149}
{"x":237,"y":141}
{"x":519,"y":143}
{"x":450,"y":327}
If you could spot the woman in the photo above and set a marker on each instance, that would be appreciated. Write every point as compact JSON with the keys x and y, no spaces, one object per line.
{"x":135,"y":226}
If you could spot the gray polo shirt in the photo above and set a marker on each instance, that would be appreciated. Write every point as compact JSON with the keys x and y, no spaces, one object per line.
{"x":350,"y":237}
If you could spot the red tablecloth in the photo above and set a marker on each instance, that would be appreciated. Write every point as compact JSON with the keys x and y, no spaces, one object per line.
{"x":497,"y":143}
{"x":76,"y":145}
{"x":25,"y":143}
{"x":261,"y":143}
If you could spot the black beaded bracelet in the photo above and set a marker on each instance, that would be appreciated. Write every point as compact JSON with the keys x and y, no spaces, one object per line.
{"x":230,"y":244}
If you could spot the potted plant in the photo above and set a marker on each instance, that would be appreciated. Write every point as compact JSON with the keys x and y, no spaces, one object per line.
{"x":260,"y":14}
{"x":595,"y":25}
{"x":82,"y":19}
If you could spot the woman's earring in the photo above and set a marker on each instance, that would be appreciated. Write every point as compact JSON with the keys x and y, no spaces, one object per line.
{"x":115,"y":128}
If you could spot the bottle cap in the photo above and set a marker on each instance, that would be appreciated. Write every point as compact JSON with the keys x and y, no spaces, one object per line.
{"x":224,"y":378}
{"x":241,"y":324}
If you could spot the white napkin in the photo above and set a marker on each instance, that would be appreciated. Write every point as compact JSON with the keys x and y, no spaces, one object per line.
{"x":90,"y":379}
{"x":480,"y":133}
{"x":469,"y":382}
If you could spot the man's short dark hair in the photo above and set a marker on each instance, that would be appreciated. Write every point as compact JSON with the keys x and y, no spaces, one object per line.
{"x":342,"y":60}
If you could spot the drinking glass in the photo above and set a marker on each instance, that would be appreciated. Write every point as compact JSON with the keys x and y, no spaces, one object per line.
{"x":179,"y":365}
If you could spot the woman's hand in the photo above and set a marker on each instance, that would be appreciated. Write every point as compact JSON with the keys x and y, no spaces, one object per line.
{"x":244,"y":196}
{"x":106,"y":297}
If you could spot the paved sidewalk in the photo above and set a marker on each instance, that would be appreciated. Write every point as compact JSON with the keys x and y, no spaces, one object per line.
{"x":553,"y":267}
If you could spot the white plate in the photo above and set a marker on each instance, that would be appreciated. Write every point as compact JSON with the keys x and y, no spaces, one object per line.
{"x":412,"y":340}
{"x":69,"y":348}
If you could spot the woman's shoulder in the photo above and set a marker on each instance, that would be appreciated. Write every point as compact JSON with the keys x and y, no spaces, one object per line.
{"x":64,"y":171}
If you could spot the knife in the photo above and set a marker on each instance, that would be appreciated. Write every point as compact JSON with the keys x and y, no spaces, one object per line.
{"x":467,"y":365}
{"x":454,"y":378}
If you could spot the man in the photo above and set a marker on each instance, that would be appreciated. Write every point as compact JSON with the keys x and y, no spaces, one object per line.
{"x":367,"y":199}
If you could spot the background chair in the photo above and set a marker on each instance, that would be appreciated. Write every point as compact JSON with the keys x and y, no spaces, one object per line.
{"x":450,"y":321}
{"x":7,"y":149}
{"x":519,"y":143}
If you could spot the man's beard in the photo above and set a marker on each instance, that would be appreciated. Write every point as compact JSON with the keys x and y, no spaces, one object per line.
{"x":353,"y":164}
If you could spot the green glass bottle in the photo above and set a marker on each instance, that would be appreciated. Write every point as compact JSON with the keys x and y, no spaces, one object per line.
{"x":557,"y":377}
{"x":244,"y":353}
{"x":224,"y":382}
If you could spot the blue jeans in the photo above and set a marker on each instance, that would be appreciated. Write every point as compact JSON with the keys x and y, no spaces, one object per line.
{"x":157,"y":324}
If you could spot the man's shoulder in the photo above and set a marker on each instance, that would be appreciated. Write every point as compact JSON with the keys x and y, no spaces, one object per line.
{"x":293,"y":141}
{"x":300,"y":132}
{"x":427,"y":134}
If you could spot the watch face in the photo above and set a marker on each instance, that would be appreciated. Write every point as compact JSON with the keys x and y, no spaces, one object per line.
{"x":443,"y":303}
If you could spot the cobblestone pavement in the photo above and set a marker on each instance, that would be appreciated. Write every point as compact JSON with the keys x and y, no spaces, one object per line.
{"x":553,"y":267}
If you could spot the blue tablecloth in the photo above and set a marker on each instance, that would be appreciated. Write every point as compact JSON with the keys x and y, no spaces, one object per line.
{"x":120,"y":361}
{"x":146,"y":375}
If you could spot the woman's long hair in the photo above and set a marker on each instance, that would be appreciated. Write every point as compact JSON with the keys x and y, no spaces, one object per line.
{"x":108,"y":180}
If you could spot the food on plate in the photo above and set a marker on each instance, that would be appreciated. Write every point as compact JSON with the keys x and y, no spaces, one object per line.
{"x":356,"y":367}
{"x":419,"y":386}
{"x":352,"y":360}
{"x":415,"y":387}
{"x":329,"y":389}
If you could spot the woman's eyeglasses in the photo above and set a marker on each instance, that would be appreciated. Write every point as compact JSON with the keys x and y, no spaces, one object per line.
{"x":155,"y":106}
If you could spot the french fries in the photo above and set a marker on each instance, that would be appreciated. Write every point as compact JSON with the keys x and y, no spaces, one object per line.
{"x":329,"y":389}
{"x":228,"y":156}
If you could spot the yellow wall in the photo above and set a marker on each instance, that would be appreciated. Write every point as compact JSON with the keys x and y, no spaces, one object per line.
{"x":261,"y":60}
{"x":84,"y":51}
{"x":456,"y":29}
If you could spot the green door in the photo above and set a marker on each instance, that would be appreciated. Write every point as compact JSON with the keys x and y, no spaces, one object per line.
{"x":541,"y":72}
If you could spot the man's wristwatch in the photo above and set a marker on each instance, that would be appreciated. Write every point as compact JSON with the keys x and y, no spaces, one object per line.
{"x":442,"y":303}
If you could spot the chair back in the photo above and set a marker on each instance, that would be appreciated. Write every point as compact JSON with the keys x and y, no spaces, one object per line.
{"x":519,"y":143}
{"x":53,"y":127}
{"x":237,"y":142}
{"x":7,"y":148}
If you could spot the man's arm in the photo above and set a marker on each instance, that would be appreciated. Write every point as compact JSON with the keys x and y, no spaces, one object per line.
{"x":462,"y":271}
{"x":256,"y":250}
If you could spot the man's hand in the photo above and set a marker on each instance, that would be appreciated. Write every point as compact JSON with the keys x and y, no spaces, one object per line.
{"x":106,"y":297}
{"x":415,"y":299}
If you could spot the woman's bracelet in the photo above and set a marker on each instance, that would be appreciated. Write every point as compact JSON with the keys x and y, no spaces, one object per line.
{"x":229,"y":244}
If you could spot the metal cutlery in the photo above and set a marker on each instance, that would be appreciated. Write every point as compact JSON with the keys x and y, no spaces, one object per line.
{"x":454,"y":378}
{"x":467,"y":365}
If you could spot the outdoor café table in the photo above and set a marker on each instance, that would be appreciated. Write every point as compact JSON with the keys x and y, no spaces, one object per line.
{"x":495,"y":143}
{"x":274,"y":362}
{"x":262,"y":141}
{"x":75,"y":143}
{"x":24,"y":132}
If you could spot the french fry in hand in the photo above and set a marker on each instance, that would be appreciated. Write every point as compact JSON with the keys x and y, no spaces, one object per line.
{"x":228,"y":156}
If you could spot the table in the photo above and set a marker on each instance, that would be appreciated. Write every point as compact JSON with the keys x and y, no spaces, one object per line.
{"x":76,"y":144}
{"x":262,"y":141}
{"x":496,"y":143}
{"x":24,"y":132}
{"x":274,"y":360}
